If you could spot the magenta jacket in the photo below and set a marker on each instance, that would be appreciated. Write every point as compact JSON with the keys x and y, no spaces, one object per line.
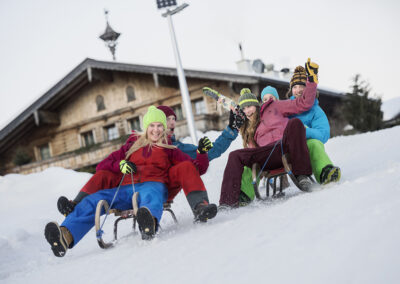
{"x":274,"y":115}
{"x":111,"y":163}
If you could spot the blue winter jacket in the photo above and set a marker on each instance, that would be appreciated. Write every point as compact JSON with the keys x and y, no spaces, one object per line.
{"x":316,"y":121}
{"x":219,"y":146}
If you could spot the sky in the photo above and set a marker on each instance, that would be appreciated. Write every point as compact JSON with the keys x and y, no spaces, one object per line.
{"x":43,"y":40}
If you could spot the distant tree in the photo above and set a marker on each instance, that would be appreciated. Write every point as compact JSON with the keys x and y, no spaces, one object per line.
{"x":362,"y":112}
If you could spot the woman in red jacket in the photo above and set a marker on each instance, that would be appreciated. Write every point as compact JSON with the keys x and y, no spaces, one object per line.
{"x":148,"y":158}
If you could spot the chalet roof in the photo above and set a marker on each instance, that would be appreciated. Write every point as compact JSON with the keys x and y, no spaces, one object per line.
{"x":82,"y":75}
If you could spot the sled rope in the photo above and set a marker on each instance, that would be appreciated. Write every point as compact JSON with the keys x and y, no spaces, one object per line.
{"x":100,"y":232}
{"x":266,"y":161}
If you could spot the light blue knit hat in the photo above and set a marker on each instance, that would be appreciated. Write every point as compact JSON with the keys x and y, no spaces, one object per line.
{"x":269,"y":90}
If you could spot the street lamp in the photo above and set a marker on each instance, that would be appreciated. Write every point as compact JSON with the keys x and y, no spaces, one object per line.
{"x":110,"y":37}
{"x":166,"y":4}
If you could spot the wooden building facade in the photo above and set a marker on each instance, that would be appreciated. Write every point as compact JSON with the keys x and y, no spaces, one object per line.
{"x":92,"y":110}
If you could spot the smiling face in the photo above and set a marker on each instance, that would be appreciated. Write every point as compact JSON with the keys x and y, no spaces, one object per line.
{"x":155,"y":131}
{"x":297,"y":90}
{"x":249,"y":111}
{"x":171,"y":122}
{"x":267,"y":97}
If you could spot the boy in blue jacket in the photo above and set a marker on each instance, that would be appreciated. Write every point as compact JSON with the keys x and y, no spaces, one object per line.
{"x":317,"y":131}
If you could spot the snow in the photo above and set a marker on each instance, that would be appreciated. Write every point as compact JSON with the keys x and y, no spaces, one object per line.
{"x":390,"y":108}
{"x":344,"y":233}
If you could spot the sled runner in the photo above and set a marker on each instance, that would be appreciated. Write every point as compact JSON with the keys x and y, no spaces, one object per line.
{"x":271,"y":178}
{"x":102,"y":206}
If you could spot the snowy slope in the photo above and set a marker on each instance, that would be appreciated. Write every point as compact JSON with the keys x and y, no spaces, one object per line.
{"x":345,"y":233}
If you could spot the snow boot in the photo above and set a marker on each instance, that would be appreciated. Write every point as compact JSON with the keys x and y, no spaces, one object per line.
{"x":244,"y":200}
{"x":204,"y":211}
{"x":65,"y":206}
{"x":330,"y":174}
{"x":146,"y":222}
{"x":304,"y":183}
{"x":58,"y":237}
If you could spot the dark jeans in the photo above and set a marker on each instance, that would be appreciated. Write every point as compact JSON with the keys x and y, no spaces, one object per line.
{"x":293,"y":142}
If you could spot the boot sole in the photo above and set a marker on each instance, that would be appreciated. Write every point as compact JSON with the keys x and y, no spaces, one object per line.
{"x":54,"y":237}
{"x":333,"y":176}
{"x":146,"y":223}
{"x":208,"y":213}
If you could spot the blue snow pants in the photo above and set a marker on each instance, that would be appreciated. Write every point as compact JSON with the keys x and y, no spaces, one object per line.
{"x":151,"y":195}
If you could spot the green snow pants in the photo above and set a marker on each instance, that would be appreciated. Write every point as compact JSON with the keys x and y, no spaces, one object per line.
{"x":247,"y":183}
{"x":319,"y":158}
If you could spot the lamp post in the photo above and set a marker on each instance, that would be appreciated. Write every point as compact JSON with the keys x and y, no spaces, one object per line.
{"x":165,"y":4}
{"x":110,"y":37}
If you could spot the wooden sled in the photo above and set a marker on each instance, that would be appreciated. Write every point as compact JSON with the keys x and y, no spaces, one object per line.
{"x":102,"y":206}
{"x":271,"y":177}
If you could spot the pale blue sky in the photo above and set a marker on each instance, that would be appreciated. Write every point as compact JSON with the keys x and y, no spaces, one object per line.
{"x":43,"y":40}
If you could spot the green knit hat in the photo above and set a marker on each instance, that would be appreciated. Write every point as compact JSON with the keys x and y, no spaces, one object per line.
{"x":247,"y":98}
{"x":154,"y":115}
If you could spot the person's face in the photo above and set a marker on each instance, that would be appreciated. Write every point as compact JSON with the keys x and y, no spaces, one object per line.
{"x":155,"y":131}
{"x":297,"y":90}
{"x":171,"y":122}
{"x":249,"y":111}
{"x":267,"y":97}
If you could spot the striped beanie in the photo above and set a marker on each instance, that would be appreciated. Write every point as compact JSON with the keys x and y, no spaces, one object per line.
{"x":299,"y":77}
{"x":247,"y":98}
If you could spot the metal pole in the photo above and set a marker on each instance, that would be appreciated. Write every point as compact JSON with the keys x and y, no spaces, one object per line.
{"x":182,"y":83}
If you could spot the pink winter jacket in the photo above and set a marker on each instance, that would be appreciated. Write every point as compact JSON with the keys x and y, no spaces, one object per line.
{"x":274,"y":115}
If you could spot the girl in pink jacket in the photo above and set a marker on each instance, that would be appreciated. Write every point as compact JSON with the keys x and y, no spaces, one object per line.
{"x":270,"y":133}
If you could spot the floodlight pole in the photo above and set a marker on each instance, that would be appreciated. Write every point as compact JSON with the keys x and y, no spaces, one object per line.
{"x":181,"y":74}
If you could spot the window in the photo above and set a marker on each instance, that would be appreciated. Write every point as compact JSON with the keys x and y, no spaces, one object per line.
{"x":134,"y":124}
{"x":130,"y":93}
{"x":111,"y":132}
{"x":178,"y":111}
{"x":100,"y":103}
{"x":87,"y":138}
{"x":44,"y":152}
{"x":199,"y":106}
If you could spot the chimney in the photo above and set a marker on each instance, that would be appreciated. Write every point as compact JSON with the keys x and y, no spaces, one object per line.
{"x":244,"y":65}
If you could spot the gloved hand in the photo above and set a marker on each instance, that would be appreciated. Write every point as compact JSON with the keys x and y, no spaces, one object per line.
{"x":127,"y":167}
{"x":204,"y":145}
{"x":236,"y":120}
{"x":312,"y":71}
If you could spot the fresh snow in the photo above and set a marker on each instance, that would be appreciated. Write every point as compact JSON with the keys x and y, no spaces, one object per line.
{"x":345,"y":233}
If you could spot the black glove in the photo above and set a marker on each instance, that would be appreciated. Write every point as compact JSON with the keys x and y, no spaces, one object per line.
{"x":312,"y":71}
{"x":204,"y":145}
{"x":127,"y":167}
{"x":232,"y":117}
{"x":240,"y":119}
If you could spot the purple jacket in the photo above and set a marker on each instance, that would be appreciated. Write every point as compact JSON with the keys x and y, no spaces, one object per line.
{"x":274,"y":115}
{"x":111,"y":163}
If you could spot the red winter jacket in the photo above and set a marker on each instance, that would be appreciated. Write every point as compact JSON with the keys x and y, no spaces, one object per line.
{"x":111,"y":163}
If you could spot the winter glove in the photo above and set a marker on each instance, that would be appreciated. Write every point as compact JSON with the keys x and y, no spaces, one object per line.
{"x":204,"y":145}
{"x":235,"y":120}
{"x":240,"y":118}
{"x":312,"y":71}
{"x":127,"y":167}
